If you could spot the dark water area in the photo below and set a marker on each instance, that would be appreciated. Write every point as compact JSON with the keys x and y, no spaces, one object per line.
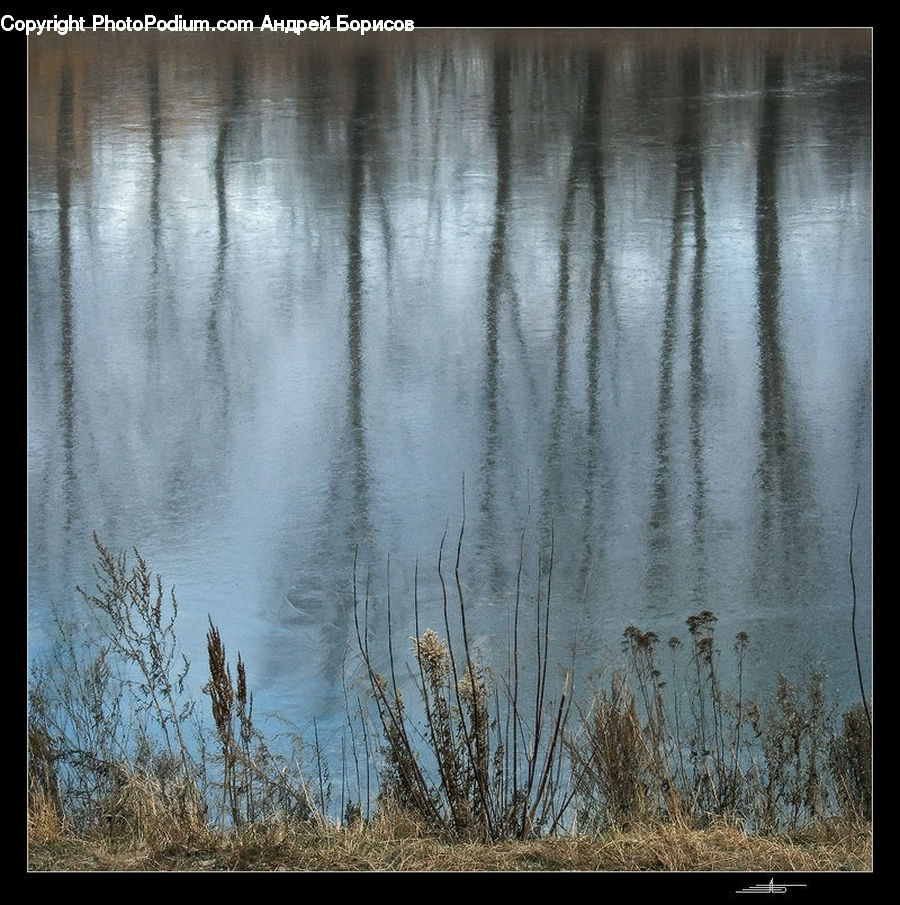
{"x":288,"y":295}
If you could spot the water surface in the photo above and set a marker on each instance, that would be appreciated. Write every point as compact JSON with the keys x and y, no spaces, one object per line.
{"x":287,"y":296}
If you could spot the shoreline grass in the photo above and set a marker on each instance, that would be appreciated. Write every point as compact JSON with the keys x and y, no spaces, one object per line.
{"x":663,"y":848}
{"x":646,"y":773}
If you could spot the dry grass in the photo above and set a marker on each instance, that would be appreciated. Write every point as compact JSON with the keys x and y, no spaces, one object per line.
{"x":506,"y":790}
{"x":402,"y":847}
{"x":45,"y":826}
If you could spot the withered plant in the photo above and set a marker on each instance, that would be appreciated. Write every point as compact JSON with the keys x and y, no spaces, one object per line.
{"x":116,"y":746}
{"x":488,"y":775}
{"x":850,"y":759}
{"x":257,"y":784}
{"x":108,"y":712}
{"x":140,"y":629}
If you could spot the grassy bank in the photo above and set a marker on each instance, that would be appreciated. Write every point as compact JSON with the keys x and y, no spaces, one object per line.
{"x":668,"y":766}
{"x":395,"y":846}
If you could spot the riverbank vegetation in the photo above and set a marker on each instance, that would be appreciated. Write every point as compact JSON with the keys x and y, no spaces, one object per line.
{"x":448,"y":762}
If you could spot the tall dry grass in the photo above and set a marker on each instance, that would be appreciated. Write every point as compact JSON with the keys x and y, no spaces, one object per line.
{"x":117,"y":750}
{"x":489,"y":764}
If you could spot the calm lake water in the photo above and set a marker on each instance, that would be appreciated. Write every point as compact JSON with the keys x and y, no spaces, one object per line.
{"x":296,"y":300}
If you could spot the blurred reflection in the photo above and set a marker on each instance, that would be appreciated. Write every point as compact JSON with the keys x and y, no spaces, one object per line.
{"x":230,"y":118}
{"x":360,"y":135}
{"x":692,"y":143}
{"x":688,"y":204}
{"x":155,"y":118}
{"x":596,"y":451}
{"x":781,"y":456}
{"x":497,"y":283}
{"x":347,"y":520}
{"x":65,"y":145}
{"x":587,"y":263}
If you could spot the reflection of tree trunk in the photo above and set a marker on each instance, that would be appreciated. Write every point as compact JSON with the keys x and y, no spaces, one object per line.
{"x":688,"y":186}
{"x":661,"y":506}
{"x":585,"y":170}
{"x":497,"y":266}
{"x":348,"y":505}
{"x":223,"y":142}
{"x":436,"y":123}
{"x":693,"y":144}
{"x":779,"y":455}
{"x":155,"y":118}
{"x":65,"y":152}
{"x":553,"y":483}
{"x":364,"y":104}
{"x":585,"y":158}
{"x":771,"y":359}
{"x":349,"y":497}
{"x":593,"y":161}
{"x":316,"y":600}
{"x":155,"y":180}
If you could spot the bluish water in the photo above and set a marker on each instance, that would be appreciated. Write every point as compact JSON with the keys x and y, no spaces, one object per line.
{"x":287,"y":295}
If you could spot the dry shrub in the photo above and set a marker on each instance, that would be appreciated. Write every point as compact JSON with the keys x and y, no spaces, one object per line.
{"x":391,"y":821}
{"x":488,"y":764}
{"x":45,"y":807}
{"x":610,"y":759}
{"x":148,"y":808}
{"x":851,"y":764}
{"x":45,"y":823}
